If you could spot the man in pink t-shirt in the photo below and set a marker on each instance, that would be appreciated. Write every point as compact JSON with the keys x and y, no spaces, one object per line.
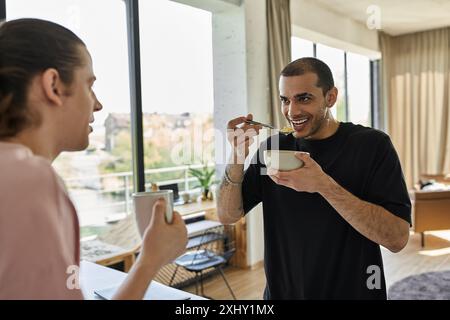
{"x":39,"y":233}
{"x":46,"y":105}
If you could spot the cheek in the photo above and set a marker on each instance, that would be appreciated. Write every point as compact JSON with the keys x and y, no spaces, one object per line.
{"x":89,"y":103}
{"x":317,"y":111}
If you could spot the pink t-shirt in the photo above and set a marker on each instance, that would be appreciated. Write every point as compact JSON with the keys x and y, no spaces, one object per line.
{"x":39,"y":231}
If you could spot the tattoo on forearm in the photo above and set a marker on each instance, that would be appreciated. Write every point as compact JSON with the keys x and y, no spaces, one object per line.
{"x":228,"y":194}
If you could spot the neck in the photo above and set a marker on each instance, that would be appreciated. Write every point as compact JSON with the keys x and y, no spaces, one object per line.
{"x":327,"y":129}
{"x":39,"y":141}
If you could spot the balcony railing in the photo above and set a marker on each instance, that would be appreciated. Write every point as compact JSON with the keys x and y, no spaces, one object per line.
{"x":108,"y":197}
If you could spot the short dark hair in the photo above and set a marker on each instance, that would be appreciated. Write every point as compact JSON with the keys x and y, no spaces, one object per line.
{"x":28,"y":47}
{"x":309,"y":64}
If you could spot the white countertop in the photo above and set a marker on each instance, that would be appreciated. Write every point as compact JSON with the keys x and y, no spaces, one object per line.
{"x":96,"y":277}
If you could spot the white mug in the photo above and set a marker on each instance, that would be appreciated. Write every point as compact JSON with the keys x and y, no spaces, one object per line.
{"x":143,"y":207}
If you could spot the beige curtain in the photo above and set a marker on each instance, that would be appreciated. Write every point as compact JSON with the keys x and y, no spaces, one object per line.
{"x":415,"y":75}
{"x":279,"y":31}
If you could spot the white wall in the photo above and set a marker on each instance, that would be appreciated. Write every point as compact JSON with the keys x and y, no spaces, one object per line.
{"x":318,"y":24}
{"x":230,"y":74}
{"x":241,"y":86}
{"x":258,"y":101}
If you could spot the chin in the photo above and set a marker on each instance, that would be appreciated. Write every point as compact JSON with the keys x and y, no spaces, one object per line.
{"x":85,"y":144}
{"x":80,"y":146}
{"x":302,"y":134}
{"x":309,"y":133}
{"x":299,"y":135}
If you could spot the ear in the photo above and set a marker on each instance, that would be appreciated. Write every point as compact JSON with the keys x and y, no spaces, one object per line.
{"x":331,"y":97}
{"x":52,"y":86}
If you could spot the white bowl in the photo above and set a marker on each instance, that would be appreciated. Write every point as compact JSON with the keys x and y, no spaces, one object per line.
{"x":282,"y":160}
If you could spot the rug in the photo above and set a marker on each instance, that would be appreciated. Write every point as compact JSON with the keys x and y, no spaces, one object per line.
{"x":424,"y":286}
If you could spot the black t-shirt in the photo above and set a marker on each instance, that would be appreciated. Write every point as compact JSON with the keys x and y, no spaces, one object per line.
{"x":311,"y":252}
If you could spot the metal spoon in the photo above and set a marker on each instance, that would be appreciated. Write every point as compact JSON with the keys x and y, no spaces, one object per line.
{"x":267,"y":126}
{"x":259,"y":124}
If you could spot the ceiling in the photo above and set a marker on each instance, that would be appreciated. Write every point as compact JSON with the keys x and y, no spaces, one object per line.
{"x":397,"y":16}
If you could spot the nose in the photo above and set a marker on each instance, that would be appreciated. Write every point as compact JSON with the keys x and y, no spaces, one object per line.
{"x":97,"y":104}
{"x":293,"y":110}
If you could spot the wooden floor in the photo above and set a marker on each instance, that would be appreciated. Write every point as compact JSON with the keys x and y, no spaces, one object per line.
{"x":413,"y":259}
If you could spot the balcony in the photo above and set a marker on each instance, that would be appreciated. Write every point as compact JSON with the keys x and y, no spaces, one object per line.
{"x":102,"y":200}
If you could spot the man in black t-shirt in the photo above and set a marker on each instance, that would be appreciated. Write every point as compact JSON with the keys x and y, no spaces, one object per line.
{"x":323,"y":223}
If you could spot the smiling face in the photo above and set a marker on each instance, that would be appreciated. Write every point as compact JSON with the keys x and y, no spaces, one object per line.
{"x":305,"y":106}
{"x":80,"y":105}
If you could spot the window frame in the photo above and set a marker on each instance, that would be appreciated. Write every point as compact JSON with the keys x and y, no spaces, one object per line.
{"x":134,"y":61}
{"x":375,"y":95}
{"x":2,"y":10}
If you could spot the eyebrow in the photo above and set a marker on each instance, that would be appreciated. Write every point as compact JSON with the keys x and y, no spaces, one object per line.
{"x":299,"y":95}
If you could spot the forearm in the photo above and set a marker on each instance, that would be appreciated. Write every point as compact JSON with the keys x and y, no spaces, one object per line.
{"x":372,"y":221}
{"x":229,"y":203}
{"x":137,"y":281}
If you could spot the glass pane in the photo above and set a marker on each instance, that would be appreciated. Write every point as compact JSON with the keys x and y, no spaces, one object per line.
{"x":334,"y":58}
{"x":301,"y":48}
{"x":358,"y":86}
{"x":98,"y":179}
{"x":177,"y":85}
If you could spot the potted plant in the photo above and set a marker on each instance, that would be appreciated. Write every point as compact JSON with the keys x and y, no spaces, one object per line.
{"x":204,"y":177}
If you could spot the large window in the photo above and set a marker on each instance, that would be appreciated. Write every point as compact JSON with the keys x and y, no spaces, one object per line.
{"x":335,"y":59}
{"x":177,"y":92}
{"x":351,"y":73}
{"x":99,"y":179}
{"x":358,"y":84}
{"x":177,"y":89}
{"x":301,"y":48}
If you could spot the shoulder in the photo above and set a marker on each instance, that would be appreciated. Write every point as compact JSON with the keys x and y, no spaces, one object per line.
{"x":31,"y":178}
{"x":33,"y":201}
{"x":366,"y":135}
{"x":38,"y":171}
{"x":372,"y":144}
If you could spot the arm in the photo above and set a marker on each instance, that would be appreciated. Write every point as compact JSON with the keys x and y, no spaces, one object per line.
{"x":160,"y":245}
{"x":230,"y":203}
{"x":138,"y":280}
{"x":372,"y":221}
